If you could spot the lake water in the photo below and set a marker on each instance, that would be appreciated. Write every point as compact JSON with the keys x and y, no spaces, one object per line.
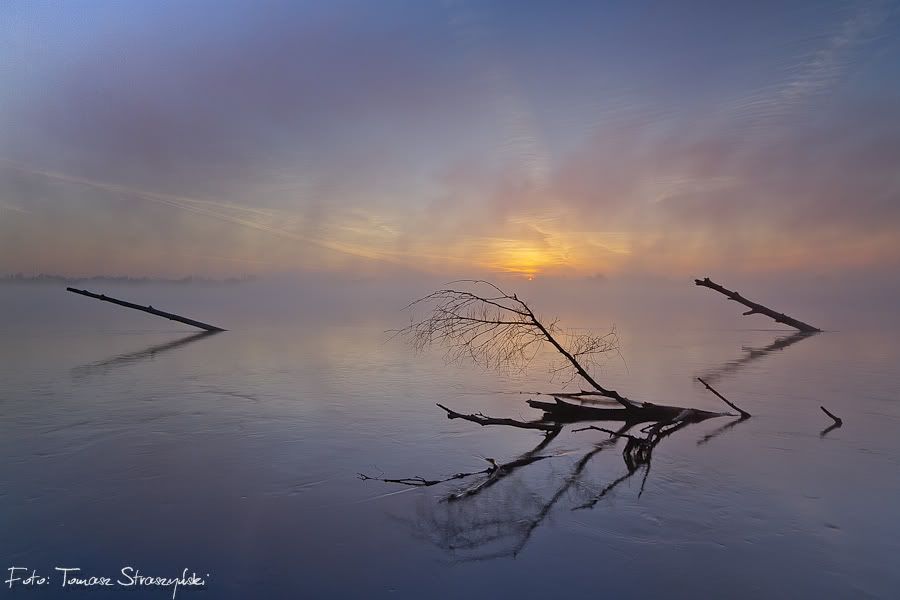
{"x":129,"y":440}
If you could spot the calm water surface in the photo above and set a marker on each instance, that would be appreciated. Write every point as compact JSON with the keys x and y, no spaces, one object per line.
{"x":126,"y":440}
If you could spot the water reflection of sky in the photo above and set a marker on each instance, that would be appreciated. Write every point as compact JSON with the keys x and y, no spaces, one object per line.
{"x":236,"y":454}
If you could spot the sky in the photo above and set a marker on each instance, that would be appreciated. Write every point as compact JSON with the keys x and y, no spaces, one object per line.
{"x":470,"y":138}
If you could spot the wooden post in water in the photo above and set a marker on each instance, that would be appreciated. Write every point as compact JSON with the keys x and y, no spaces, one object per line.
{"x":147,"y":309}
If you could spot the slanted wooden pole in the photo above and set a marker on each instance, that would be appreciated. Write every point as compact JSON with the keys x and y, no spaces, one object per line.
{"x":146,"y":309}
{"x":756,"y":308}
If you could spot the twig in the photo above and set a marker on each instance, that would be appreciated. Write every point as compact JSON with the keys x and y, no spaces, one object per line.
{"x":837,"y":420}
{"x":744,"y":413}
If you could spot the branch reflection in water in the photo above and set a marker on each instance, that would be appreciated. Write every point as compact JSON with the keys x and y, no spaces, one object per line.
{"x":128,"y":358}
{"x":497,"y":515}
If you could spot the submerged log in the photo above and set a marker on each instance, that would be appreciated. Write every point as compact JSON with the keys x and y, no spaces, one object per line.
{"x":146,"y":309}
{"x":756,"y":308}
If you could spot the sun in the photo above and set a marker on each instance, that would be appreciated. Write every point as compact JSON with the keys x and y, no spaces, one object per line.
{"x":512,"y":256}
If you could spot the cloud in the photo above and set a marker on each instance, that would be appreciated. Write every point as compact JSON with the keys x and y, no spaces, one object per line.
{"x":346,"y":136}
{"x":817,"y":71}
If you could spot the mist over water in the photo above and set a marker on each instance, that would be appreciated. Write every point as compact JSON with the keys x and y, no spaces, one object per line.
{"x":129,"y":440}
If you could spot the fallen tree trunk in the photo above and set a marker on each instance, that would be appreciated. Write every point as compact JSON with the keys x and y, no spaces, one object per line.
{"x":146,"y":309}
{"x":756,"y":308}
{"x":566,"y":412}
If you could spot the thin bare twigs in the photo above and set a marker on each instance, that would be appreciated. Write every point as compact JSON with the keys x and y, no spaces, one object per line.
{"x":499,"y":330}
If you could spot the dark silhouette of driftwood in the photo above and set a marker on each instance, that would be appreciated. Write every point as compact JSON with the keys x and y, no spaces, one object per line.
{"x":496,"y":329}
{"x":499,"y":330}
{"x":561,"y":411}
{"x":146,"y":309}
{"x":756,"y":308}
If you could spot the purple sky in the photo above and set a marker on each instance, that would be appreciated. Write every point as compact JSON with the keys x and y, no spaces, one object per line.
{"x":538,"y":139}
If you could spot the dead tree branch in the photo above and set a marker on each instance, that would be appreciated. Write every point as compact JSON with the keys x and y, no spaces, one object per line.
{"x":485,"y":420}
{"x":146,"y":309}
{"x":498,"y":330}
{"x":744,"y":413}
{"x":756,"y":308}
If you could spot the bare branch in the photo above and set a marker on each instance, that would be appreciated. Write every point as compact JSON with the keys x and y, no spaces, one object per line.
{"x":744,"y":413}
{"x":498,"y":330}
{"x":756,"y":308}
{"x":485,"y":420}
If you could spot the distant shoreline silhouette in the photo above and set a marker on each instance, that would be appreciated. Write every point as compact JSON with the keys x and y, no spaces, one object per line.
{"x":62,"y":279}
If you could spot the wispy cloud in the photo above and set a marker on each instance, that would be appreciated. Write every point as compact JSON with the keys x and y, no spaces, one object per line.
{"x":244,"y":216}
{"x":14,"y":208}
{"x":468,"y":136}
{"x":816,"y":72}
{"x":521,"y":140}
